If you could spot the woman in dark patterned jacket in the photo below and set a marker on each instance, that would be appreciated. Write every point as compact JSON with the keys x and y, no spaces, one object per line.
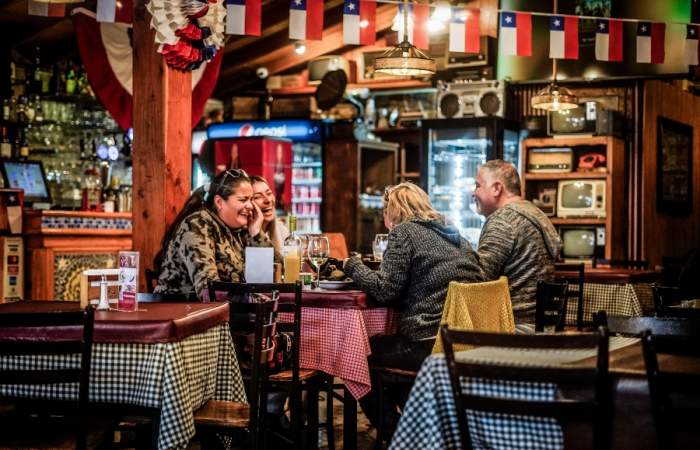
{"x":423,"y":255}
{"x":208,"y":237}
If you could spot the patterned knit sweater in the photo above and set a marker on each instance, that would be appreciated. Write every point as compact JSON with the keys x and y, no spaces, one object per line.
{"x":421,"y":259}
{"x":520,"y":242}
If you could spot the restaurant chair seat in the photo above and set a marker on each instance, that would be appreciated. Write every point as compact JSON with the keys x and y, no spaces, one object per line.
{"x":668,"y":302}
{"x":223,"y":414}
{"x":287,"y":375}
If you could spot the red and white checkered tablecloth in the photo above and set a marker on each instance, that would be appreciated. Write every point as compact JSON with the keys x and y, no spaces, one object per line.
{"x":336,"y":341}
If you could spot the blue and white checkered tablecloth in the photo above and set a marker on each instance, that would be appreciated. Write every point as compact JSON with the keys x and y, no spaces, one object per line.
{"x":176,"y":377}
{"x":615,"y":299}
{"x":429,"y":420}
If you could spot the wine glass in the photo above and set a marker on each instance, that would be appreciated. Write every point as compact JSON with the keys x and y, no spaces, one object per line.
{"x":379,"y":246}
{"x":318,"y":250}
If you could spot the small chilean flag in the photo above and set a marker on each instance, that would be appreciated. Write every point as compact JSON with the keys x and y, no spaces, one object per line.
{"x":417,"y":24}
{"x":650,"y":42}
{"x":306,"y":20}
{"x":243,"y":17}
{"x":121,"y":11}
{"x":516,"y":33}
{"x":464,"y":30}
{"x":563,"y":37}
{"x":691,"y":45}
{"x":608,"y":40}
{"x":359,"y":22}
{"x":45,"y":9}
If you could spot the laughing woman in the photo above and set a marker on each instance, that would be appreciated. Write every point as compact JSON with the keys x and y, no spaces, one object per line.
{"x":208,"y":238}
{"x":263,"y":196}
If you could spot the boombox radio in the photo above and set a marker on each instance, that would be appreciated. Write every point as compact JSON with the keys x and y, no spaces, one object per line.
{"x":471,"y":99}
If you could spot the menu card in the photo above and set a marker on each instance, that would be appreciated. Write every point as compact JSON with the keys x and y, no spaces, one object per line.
{"x":128,"y":280}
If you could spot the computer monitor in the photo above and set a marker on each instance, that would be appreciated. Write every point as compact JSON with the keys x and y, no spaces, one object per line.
{"x":27,"y":175}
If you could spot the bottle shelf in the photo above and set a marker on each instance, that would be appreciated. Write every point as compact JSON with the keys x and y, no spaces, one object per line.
{"x":577,"y":220}
{"x":307,"y":200}
{"x":566,"y":176}
{"x":307,"y":164}
{"x":303,"y":181}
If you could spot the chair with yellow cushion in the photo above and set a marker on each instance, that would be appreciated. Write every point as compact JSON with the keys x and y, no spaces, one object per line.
{"x":468,"y":306}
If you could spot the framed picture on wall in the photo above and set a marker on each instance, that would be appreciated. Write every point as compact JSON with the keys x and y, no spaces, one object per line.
{"x":674,"y":181}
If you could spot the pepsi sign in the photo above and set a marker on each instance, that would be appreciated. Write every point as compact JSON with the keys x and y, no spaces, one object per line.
{"x":295,"y":130}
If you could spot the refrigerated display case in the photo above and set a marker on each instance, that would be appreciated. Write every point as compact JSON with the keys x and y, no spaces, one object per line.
{"x":453,"y":149}
{"x":307,"y":137}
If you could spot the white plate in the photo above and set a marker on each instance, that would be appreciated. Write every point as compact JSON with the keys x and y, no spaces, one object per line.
{"x":327,"y":284}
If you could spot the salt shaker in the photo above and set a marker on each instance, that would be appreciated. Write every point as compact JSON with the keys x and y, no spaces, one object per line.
{"x":104,"y":300}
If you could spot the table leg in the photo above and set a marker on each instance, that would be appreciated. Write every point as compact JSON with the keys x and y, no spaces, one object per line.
{"x":349,"y":420}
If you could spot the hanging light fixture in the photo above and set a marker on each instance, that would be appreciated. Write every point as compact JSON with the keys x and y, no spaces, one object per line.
{"x":404,"y":59}
{"x":554,"y":97}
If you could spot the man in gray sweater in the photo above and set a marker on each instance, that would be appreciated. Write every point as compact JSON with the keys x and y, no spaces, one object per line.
{"x":517,"y":240}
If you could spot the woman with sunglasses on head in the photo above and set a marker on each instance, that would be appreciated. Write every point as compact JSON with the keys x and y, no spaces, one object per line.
{"x":208,"y":237}
{"x":423,"y":255}
{"x":263,"y":196}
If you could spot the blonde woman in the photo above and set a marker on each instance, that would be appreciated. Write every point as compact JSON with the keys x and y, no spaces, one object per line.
{"x":423,"y":255}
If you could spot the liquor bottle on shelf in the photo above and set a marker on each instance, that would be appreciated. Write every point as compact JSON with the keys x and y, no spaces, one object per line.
{"x":291,"y":252}
{"x":6,"y":109}
{"x":5,"y":144}
{"x":23,"y":146}
{"x":71,"y":81}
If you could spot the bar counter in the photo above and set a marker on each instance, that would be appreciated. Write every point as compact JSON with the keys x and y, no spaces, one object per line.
{"x":60,"y":245}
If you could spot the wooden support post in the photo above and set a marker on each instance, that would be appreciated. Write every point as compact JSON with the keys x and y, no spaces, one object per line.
{"x":162,"y":162}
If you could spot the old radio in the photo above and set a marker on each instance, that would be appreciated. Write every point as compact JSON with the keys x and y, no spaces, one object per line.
{"x":550,"y":160}
{"x":470,"y":99}
{"x":546,"y":200}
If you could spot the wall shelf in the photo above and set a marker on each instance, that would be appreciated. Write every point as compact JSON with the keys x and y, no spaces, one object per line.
{"x":577,"y":221}
{"x":566,"y":176}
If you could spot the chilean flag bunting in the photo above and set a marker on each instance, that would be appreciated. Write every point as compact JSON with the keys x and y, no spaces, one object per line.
{"x":359,"y":22}
{"x":243,"y":17}
{"x":563,"y":37}
{"x":650,"y":42}
{"x":516,"y":34}
{"x":45,"y":9}
{"x":417,"y":24}
{"x":608,"y":40}
{"x":306,"y":20}
{"x":121,"y":11}
{"x":464,"y":30}
{"x":691,"y":45}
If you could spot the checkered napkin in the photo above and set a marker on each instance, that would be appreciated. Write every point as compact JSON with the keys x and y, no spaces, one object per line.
{"x":615,"y":299}
{"x":429,"y":420}
{"x":336,"y":341}
{"x":175,"y":377}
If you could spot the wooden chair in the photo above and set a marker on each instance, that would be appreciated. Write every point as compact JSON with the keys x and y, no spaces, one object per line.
{"x":228,"y":417}
{"x":636,"y":264}
{"x":295,"y":380}
{"x":675,"y":393}
{"x":78,"y":346}
{"x":593,"y":410}
{"x":550,"y":309}
{"x":576,"y":280}
{"x":659,"y":326}
{"x":667,"y":301}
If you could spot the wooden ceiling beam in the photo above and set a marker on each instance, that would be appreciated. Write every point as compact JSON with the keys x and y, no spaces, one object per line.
{"x":283,"y":57}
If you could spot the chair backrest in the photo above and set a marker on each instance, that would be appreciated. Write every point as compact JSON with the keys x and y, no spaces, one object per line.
{"x":635,"y":326}
{"x":639,"y":264}
{"x":575,"y":281}
{"x":147,"y":297}
{"x":550,"y":308}
{"x":90,"y":284}
{"x":482,"y":306}
{"x":667,"y":301}
{"x":71,"y":344}
{"x":674,"y":392}
{"x":338,"y":245}
{"x":592,"y":409}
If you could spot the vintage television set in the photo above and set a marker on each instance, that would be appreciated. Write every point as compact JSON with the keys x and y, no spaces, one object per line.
{"x":588,"y":119}
{"x":582,"y":243}
{"x":581,"y":198}
{"x":29,"y":176}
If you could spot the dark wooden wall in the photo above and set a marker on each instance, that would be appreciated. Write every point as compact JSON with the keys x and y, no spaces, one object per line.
{"x":664,"y":234}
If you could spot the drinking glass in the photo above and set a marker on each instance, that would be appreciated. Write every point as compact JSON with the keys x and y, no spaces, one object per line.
{"x":318,"y":250}
{"x":379,"y":246}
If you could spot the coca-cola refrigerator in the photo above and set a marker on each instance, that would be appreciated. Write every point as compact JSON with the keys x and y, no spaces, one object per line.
{"x":264,"y":156}
{"x":303,"y":183}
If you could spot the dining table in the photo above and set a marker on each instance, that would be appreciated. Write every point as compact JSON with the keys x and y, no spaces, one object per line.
{"x":429,"y":419}
{"x":169,"y":358}
{"x":615,"y":290}
{"x":336,"y":326}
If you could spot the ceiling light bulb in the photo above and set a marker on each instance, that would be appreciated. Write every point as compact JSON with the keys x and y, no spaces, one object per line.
{"x":442,"y":13}
{"x":435,"y":25}
{"x":364,"y":24}
{"x":299,"y":48}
